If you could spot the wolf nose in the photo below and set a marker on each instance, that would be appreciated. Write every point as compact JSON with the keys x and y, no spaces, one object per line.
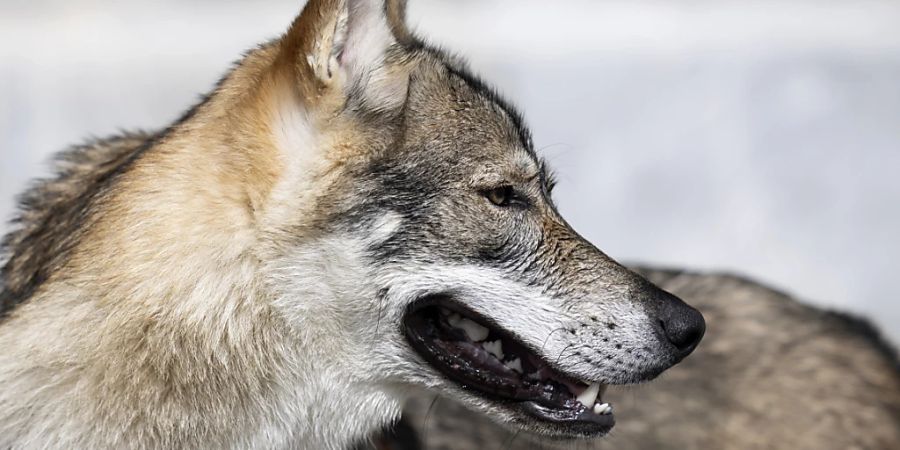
{"x":682,"y":325}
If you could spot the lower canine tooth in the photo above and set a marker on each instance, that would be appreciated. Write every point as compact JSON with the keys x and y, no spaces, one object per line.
{"x":597,"y":409}
{"x":589,"y":395}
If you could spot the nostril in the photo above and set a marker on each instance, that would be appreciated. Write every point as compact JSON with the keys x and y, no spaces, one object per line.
{"x":682,"y":325}
{"x":688,"y":339}
{"x":684,"y":330}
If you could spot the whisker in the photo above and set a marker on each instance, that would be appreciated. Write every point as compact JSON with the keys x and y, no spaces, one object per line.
{"x":378,"y":320}
{"x":563,"y":351}
{"x":508,"y":443}
{"x":425,"y":422}
{"x":548,"y":337}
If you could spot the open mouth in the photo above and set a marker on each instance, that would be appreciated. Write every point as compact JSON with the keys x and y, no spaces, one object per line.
{"x":467,"y":349}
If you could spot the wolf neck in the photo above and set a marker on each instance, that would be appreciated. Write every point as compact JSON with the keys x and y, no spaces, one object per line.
{"x":161,"y":311}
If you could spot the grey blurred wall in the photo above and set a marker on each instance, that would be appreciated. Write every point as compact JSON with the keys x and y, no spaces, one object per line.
{"x":759,"y":137}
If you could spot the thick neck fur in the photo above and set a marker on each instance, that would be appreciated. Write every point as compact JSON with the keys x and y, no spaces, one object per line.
{"x":157,"y":329}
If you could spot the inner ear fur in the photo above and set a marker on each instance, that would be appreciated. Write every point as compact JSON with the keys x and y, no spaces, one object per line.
{"x":336,"y":45}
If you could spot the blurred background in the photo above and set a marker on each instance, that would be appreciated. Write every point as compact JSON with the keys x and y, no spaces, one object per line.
{"x":754,"y":137}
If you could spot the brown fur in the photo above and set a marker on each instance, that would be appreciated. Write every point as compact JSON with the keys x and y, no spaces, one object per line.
{"x":85,"y":268}
{"x":53,"y":210}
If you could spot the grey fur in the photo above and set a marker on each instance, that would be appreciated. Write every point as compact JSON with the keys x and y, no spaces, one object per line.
{"x":53,"y":212}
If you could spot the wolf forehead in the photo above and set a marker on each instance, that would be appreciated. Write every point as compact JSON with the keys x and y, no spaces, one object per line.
{"x":452,"y":117}
{"x":468,"y":109}
{"x":453,"y":131}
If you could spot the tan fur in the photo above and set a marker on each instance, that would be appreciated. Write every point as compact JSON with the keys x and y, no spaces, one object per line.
{"x":141,"y":320}
{"x":156,"y":331}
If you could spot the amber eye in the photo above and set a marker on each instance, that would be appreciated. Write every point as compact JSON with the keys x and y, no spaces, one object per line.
{"x":501,"y":196}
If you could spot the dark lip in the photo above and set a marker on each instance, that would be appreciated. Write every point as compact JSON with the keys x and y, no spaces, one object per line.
{"x":569,"y":421}
{"x":579,"y":423}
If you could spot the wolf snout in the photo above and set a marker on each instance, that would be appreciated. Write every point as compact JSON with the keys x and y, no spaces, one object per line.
{"x":680,"y":324}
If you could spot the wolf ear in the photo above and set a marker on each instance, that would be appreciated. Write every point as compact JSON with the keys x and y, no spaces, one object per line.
{"x":341,"y":45}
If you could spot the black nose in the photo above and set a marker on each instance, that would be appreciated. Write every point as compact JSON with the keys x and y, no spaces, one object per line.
{"x":682,"y":325}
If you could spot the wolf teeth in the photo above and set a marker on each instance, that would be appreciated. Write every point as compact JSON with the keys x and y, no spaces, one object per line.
{"x":515,"y":365}
{"x":589,"y":396}
{"x":602,"y":409}
{"x":474,"y":331}
{"x":495,"y":348}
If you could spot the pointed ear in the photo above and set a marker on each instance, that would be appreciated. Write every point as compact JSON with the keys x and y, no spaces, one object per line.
{"x":341,"y":46}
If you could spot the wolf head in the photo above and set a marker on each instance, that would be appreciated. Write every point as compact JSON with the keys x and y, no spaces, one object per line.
{"x":409,"y":236}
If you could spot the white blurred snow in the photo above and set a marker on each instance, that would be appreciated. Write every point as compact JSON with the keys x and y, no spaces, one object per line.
{"x":760,"y":137}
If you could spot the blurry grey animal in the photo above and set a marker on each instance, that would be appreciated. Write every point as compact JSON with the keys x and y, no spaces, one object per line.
{"x":772,"y":373}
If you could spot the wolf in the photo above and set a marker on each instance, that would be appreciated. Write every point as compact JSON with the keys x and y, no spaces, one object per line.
{"x":774,"y":374}
{"x":348,"y":216}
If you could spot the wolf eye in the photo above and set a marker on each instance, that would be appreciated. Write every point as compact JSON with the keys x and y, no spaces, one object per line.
{"x":501,"y":196}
